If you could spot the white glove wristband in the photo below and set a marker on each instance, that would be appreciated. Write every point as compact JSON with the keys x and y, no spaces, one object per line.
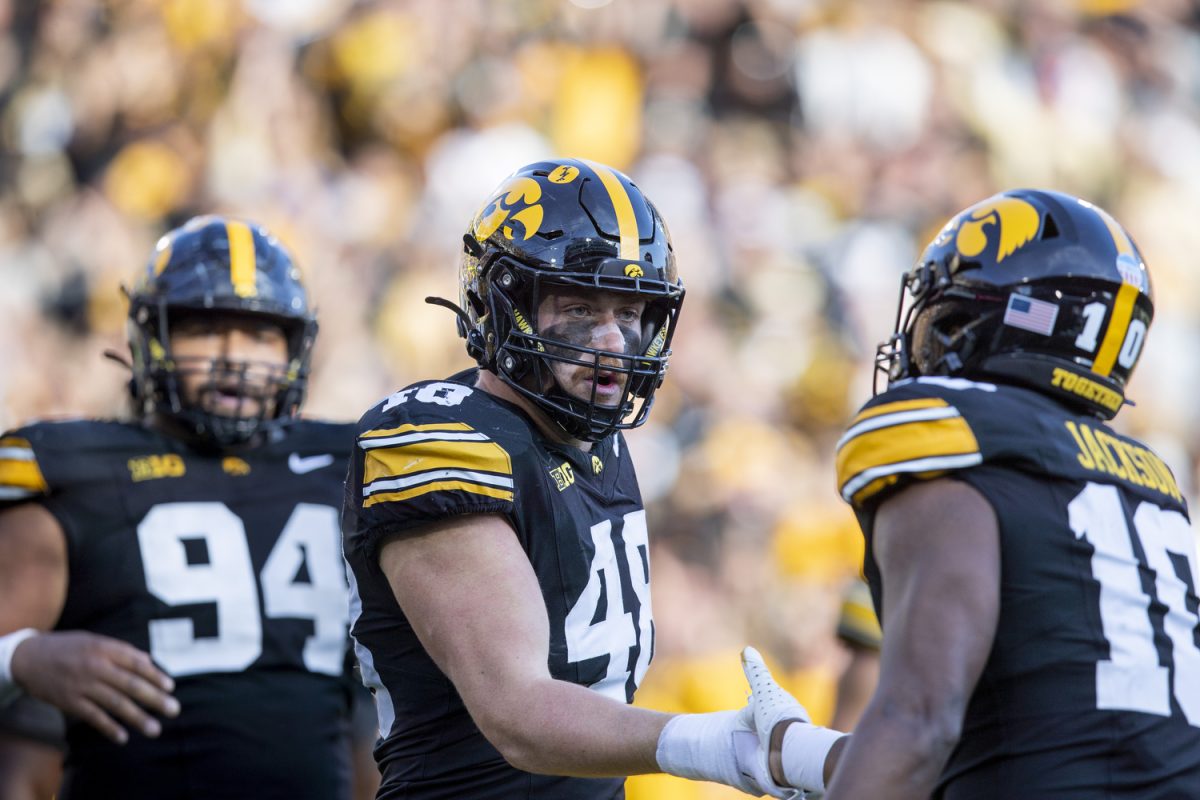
{"x":8,"y":645}
{"x":686,"y":747}
{"x":717,"y":747}
{"x":805,"y":748}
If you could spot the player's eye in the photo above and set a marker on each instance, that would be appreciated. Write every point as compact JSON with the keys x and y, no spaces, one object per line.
{"x":631,"y":315}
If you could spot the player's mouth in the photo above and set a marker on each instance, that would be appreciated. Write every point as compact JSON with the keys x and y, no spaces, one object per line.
{"x":606,"y":385}
{"x":233,"y":400}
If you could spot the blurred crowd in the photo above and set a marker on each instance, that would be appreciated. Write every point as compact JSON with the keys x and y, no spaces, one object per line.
{"x":802,"y":151}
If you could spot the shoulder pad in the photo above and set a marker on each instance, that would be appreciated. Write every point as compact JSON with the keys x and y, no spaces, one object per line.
{"x":444,"y":442}
{"x":914,"y":429}
{"x":20,"y":474}
{"x":38,"y":457}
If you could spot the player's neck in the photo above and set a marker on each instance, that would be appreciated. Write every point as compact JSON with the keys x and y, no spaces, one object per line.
{"x":491,"y":383}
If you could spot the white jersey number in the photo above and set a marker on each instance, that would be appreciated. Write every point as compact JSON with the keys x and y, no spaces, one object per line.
{"x":1131,"y":678}
{"x":223,"y":576}
{"x":616,"y":634}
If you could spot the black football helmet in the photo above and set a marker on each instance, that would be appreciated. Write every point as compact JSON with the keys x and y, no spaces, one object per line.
{"x":578,"y":224}
{"x":214,"y":266}
{"x":1031,"y":287}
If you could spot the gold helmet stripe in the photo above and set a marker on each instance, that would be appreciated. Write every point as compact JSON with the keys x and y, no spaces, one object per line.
{"x":627,"y":226}
{"x":242,"y":268}
{"x":1114,"y":337}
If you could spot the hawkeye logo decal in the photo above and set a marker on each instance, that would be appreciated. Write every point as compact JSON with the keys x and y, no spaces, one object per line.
{"x":515,"y":202}
{"x":1012,"y":221}
{"x":563,"y":476}
{"x":235,"y":466}
{"x":633,"y":271}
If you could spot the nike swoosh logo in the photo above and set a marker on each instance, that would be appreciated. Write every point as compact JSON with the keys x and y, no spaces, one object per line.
{"x":300,"y":465}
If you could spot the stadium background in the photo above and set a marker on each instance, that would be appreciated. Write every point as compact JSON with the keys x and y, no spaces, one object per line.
{"x":802,"y":152}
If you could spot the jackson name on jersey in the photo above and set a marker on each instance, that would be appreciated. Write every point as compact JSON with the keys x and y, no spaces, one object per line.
{"x":1091,"y":687}
{"x":444,"y":448}
{"x":227,"y":570}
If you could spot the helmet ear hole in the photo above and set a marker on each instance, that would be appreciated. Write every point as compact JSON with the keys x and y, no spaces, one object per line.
{"x":477,"y":306}
{"x":1050,"y":228}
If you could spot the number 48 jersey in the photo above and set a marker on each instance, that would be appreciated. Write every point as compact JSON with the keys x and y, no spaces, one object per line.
{"x":443,"y":449}
{"x":227,"y":570}
{"x":1092,"y":687}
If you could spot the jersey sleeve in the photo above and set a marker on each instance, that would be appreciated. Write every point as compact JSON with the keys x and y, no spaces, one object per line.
{"x":857,"y":622}
{"x":21,"y":475}
{"x":411,"y":472}
{"x":904,"y":434}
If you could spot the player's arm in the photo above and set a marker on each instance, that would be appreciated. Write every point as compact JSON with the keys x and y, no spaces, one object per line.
{"x":104,"y":681}
{"x":472,"y":597}
{"x":855,"y":686}
{"x":938,"y":549}
{"x":473,"y":600}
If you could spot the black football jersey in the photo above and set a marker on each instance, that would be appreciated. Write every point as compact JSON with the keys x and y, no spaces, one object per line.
{"x":1092,"y":688}
{"x":440,"y":449}
{"x":227,"y":570}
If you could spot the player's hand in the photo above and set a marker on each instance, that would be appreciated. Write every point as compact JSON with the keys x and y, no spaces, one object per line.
{"x":722,"y":747}
{"x":103,"y":681}
{"x":774,"y":710}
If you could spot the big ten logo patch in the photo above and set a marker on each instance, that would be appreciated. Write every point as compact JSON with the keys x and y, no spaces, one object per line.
{"x":563,"y":476}
{"x":148,"y":468}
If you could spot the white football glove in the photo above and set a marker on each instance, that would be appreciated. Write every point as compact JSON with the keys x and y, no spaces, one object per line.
{"x":805,"y":745}
{"x":722,"y":747}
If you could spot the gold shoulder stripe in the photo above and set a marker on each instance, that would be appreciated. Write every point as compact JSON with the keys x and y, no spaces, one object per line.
{"x":912,"y":447}
{"x":439,"y":486}
{"x":435,"y":426}
{"x":431,"y":454}
{"x":901,"y":405}
{"x":873,"y":488}
{"x":20,"y":474}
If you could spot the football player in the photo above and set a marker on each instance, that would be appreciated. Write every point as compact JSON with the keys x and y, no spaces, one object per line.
{"x":493,"y":522}
{"x":174,"y":582}
{"x":1035,"y":570}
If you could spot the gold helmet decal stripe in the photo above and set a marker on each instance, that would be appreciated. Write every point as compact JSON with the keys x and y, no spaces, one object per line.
{"x":1015,"y":221}
{"x":242,"y":267}
{"x":1114,"y":337}
{"x":163,"y":256}
{"x":1119,"y":236}
{"x":627,"y":226}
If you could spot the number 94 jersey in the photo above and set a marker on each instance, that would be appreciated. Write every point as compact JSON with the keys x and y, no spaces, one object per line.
{"x":441,"y":449}
{"x":227,"y":570}
{"x":1092,"y":687}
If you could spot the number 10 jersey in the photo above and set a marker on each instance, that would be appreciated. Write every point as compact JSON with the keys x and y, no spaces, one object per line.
{"x":442,"y":449}
{"x":1092,"y":687}
{"x":226,"y":568}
